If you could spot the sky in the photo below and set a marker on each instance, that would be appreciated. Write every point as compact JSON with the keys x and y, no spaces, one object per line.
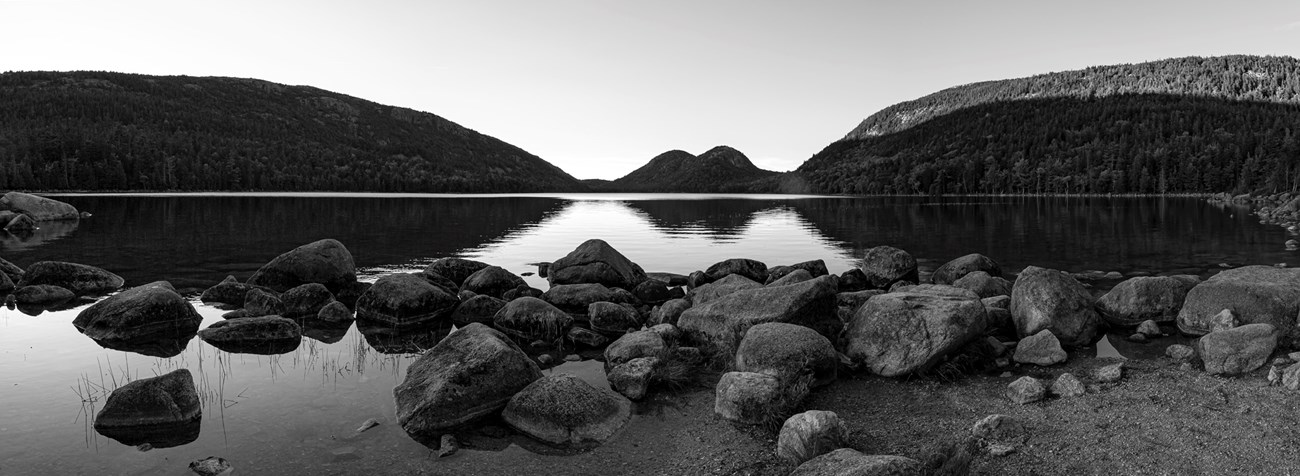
{"x":599,"y":88}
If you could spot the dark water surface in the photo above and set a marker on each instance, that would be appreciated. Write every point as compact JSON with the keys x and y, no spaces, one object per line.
{"x":295,"y":412}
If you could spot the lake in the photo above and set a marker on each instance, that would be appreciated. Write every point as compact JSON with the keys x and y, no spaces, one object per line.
{"x":296,"y":412}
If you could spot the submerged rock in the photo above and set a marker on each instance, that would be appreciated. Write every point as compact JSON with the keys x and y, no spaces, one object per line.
{"x":530,"y":319}
{"x":565,"y":410}
{"x":11,"y":270}
{"x":211,"y":466}
{"x":144,"y":318}
{"x":788,"y":352}
{"x":900,"y":333}
{"x":20,"y":224}
{"x":1257,"y":294}
{"x":810,"y":434}
{"x":1155,"y":298}
{"x":1049,"y":299}
{"x":162,"y":411}
{"x":721,"y":323}
{"x":846,"y":461}
{"x":404,"y":300}
{"x":326,"y":262}
{"x":596,"y":262}
{"x":885,"y":265}
{"x":38,"y":208}
{"x":472,"y":373}
{"x":265,"y":335}
{"x":1238,"y":350}
{"x":81,"y":279}
{"x":957,"y":268}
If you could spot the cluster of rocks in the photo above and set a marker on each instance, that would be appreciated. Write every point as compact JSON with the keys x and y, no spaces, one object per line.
{"x":21,"y":213}
{"x":53,"y":284}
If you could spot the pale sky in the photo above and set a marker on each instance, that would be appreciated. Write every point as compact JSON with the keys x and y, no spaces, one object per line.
{"x":599,"y":87}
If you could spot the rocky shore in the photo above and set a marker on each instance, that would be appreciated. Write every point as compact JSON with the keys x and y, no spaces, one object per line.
{"x":870,"y":371}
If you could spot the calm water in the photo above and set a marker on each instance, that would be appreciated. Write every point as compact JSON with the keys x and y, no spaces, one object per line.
{"x":293,"y":412}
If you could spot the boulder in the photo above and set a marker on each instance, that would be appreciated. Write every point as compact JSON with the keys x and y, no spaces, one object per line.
{"x":652,"y":292}
{"x":726,"y":285}
{"x":404,"y":300}
{"x":885,"y":265}
{"x":754,"y":270}
{"x":141,"y":408}
{"x":796,"y":276}
{"x":613,"y":319}
{"x":565,"y":410}
{"x":1003,"y":301}
{"x":1067,"y":385}
{"x":788,"y":352}
{"x":596,"y":262}
{"x":576,"y":298}
{"x":668,"y":312}
{"x":455,"y":269}
{"x":38,"y":208}
{"x":722,"y":322}
{"x":587,"y":337}
{"x":810,"y":434}
{"x":522,"y":291}
{"x":634,"y":345}
{"x":751,"y":398}
{"x":670,"y":279}
{"x":229,"y":291}
{"x":529,"y":319}
{"x":260,"y":302}
{"x":670,"y":333}
{"x":46,"y":295}
{"x":472,"y":373}
{"x":1238,"y":350}
{"x":984,"y":285}
{"x":335,"y":312}
{"x":850,"y":462}
{"x":306,"y":300}
{"x":1042,"y":349}
{"x":1026,"y":390}
{"x":20,"y":224}
{"x":266,"y":335}
{"x":1257,"y":294}
{"x":6,"y":284}
{"x":81,"y":279}
{"x":854,"y":300}
{"x":1149,"y":329}
{"x":1156,"y":298}
{"x":1049,"y":299}
{"x":441,"y":281}
{"x":326,"y":262}
{"x":853,"y":280}
{"x":493,"y":281}
{"x":955,"y":269}
{"x":11,"y":270}
{"x":814,"y":267}
{"x":1224,"y":320}
{"x":478,"y":308}
{"x":632,"y":378}
{"x":937,"y":290}
{"x":900,"y":333}
{"x":152,"y":312}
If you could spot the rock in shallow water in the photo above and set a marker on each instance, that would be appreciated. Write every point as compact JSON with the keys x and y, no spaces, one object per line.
{"x":162,"y":411}
{"x":326,"y":262}
{"x":148,"y":313}
{"x":265,"y":335}
{"x":595,"y":261}
{"x":530,"y":319}
{"x":1154,"y":298}
{"x":957,"y":268}
{"x":81,"y":279}
{"x":565,"y":410}
{"x":405,"y":300}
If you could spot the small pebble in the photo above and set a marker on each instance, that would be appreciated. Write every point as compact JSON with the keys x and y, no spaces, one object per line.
{"x":211,"y":466}
{"x":1139,"y":338}
{"x":999,"y":450}
{"x":368,"y":424}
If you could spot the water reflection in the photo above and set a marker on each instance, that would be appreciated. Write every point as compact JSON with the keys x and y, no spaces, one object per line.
{"x":47,"y":232}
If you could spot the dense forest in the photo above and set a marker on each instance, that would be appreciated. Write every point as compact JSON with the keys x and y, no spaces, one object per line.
{"x":721,"y":169}
{"x":115,"y":131}
{"x":1240,"y":77}
{"x":1143,"y":143}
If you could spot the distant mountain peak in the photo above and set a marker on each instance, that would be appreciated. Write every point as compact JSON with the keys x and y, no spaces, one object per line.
{"x":719,"y":169}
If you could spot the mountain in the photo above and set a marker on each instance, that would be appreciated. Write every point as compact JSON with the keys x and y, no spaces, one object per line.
{"x":1184,"y":125}
{"x":116,"y":131}
{"x":721,"y":169}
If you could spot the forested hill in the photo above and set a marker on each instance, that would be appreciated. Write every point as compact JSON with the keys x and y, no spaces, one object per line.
{"x":1232,"y":129}
{"x":721,"y":169}
{"x":1250,"y":78}
{"x":116,"y":131}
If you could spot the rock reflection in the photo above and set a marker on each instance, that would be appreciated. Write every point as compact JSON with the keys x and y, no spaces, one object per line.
{"x":157,"y":345}
{"x":403,"y":340}
{"x":31,"y":239}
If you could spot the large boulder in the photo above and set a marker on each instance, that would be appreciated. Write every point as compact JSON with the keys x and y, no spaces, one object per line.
{"x":81,"y":279}
{"x":493,"y":281}
{"x":595,"y":261}
{"x":326,"y":262}
{"x":1238,"y":350}
{"x":576,"y":298}
{"x":6,"y":284}
{"x":167,"y":401}
{"x":1049,"y":299}
{"x":885,"y":265}
{"x":39,"y":208}
{"x":401,"y":300}
{"x":565,"y":410}
{"x":634,"y":345}
{"x":721,"y":323}
{"x":530,"y":319}
{"x":752,"y":398}
{"x":472,"y":373}
{"x":1257,"y":294}
{"x":754,"y":270}
{"x":455,"y":269}
{"x":900,"y":333}
{"x":148,"y":313}
{"x":478,"y":308}
{"x":811,"y":434}
{"x":788,"y":352}
{"x":796,"y":276}
{"x":306,"y":300}
{"x":668,"y":312}
{"x":850,"y":462}
{"x":229,"y":291}
{"x":652,"y":291}
{"x":632,"y":378}
{"x":613,"y":319}
{"x":265,"y":335}
{"x":1042,"y":348}
{"x":984,"y":285}
{"x":261,"y":302}
{"x":955,"y":269}
{"x":1154,"y":298}
{"x":726,"y":285}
